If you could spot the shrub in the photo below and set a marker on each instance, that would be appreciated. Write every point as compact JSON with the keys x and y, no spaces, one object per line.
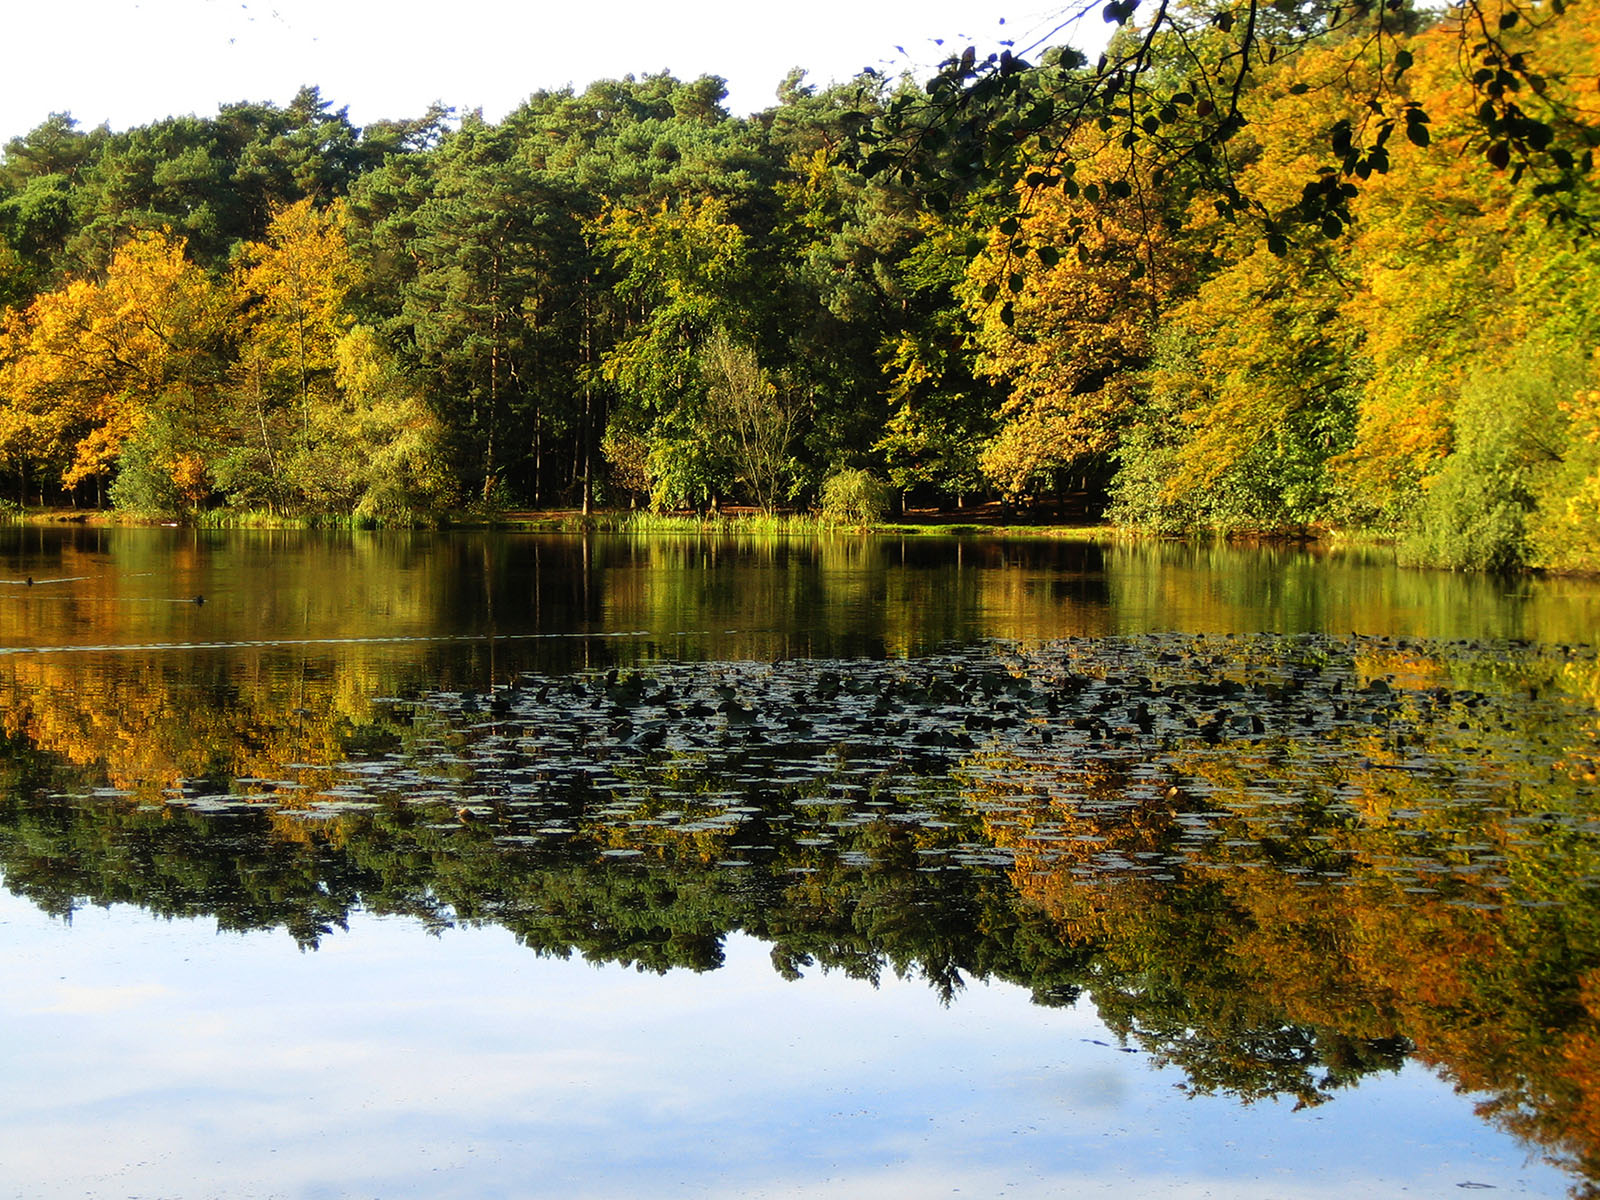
{"x":1564,"y":532}
{"x":855,"y":497}
{"x":1510,"y":438}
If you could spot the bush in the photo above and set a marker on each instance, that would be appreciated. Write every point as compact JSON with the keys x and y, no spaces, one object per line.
{"x":1179,"y":470}
{"x":1471,"y":519}
{"x":1510,"y":437}
{"x":1564,"y":532}
{"x":855,"y":497}
{"x":155,"y":479}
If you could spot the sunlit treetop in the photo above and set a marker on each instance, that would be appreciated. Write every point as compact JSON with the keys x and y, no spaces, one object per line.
{"x":1180,"y":84}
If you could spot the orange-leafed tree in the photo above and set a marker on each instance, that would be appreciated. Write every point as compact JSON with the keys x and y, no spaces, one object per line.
{"x":84,"y":368}
{"x":1066,"y":333}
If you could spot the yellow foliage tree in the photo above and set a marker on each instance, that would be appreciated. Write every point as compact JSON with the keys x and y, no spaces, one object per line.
{"x":292,"y":288}
{"x":1073,"y":333}
{"x":83,"y":368}
{"x":290,"y":291}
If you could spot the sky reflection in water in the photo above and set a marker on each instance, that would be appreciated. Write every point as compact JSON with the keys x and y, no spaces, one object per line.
{"x":155,"y":1057}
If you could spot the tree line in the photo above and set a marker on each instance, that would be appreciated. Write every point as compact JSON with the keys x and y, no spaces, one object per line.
{"x":1026,"y":284}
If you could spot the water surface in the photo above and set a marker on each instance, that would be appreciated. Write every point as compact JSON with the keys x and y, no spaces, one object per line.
{"x":600,"y":866}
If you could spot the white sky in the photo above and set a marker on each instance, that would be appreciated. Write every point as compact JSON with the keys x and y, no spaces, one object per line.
{"x":128,"y":62}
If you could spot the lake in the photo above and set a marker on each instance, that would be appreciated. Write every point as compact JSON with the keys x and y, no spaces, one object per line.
{"x":463,"y":864}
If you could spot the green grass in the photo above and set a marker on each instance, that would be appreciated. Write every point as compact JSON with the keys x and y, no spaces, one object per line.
{"x":254,"y":518}
{"x":766,"y":525}
{"x":639,"y":522}
{"x":761,"y":524}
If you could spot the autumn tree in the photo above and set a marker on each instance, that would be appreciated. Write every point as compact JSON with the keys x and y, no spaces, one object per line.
{"x":85,"y":368}
{"x":290,"y":291}
{"x":1070,"y":334}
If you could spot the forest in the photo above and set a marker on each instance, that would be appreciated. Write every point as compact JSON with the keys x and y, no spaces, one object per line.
{"x":1258,"y":271}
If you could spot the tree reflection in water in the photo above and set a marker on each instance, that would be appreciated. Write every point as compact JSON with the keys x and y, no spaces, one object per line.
{"x":1280,"y":863}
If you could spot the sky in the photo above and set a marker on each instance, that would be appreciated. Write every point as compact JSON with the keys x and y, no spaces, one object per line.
{"x":129,"y":62}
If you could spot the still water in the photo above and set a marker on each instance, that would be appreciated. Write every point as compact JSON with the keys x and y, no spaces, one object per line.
{"x":463,"y":865}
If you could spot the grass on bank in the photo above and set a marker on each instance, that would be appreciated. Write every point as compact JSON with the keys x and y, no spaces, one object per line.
{"x":775,"y":525}
{"x":742,"y":523}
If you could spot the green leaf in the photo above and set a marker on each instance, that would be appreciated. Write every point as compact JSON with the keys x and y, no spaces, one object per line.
{"x":1417,"y":134}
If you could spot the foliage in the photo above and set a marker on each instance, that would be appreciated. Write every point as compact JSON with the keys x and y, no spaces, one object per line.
{"x":1509,"y":440}
{"x":1175,"y":93}
{"x":1250,"y":273}
{"x":84,"y":367}
{"x":159,"y":475}
{"x":629,"y":457}
{"x":1068,"y":340}
{"x":854,"y":497}
{"x":757,"y":418}
{"x":1564,"y":530}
